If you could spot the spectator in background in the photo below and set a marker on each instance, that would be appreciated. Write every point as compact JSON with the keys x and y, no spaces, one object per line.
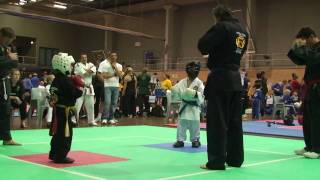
{"x":256,"y":101}
{"x":295,"y":85}
{"x":98,"y":86}
{"x":111,"y":72}
{"x":27,"y":83}
{"x":18,"y":95}
{"x":144,"y":91}
{"x":129,"y":93}
{"x":262,"y":82}
{"x":86,"y":70}
{"x":264,"y":89}
{"x":8,"y":61}
{"x":35,"y":80}
{"x":153,"y":81}
{"x":278,"y":88}
{"x":269,"y":103}
{"x":48,"y":117}
{"x":245,"y":86}
{"x":166,"y":83}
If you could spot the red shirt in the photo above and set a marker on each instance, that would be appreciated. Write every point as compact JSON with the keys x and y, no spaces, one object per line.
{"x":295,"y":85}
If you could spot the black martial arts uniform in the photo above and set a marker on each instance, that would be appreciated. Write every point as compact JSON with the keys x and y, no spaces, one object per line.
{"x":65,"y":93}
{"x":19,"y":91}
{"x":310,"y":56}
{"x":5,"y":107}
{"x":98,"y":86}
{"x":225,"y":43}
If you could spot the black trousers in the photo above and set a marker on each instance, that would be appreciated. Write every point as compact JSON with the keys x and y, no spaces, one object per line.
{"x":311,"y":122}
{"x":224,"y":130}
{"x":129,"y":104}
{"x":99,"y":94}
{"x":61,"y":145}
{"x":143,"y":99}
{"x":5,"y":121}
{"x":245,"y":101}
{"x":22,"y":109}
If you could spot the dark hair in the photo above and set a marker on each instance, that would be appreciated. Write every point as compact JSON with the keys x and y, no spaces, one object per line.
{"x":294,"y":76}
{"x":7,"y":32}
{"x":259,"y":75}
{"x":305,"y":33}
{"x":222,"y":12}
{"x":83,"y":53}
{"x":257,"y":84}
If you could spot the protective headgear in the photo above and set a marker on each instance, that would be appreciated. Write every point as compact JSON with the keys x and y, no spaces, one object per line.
{"x":193,"y":69}
{"x":63,"y":62}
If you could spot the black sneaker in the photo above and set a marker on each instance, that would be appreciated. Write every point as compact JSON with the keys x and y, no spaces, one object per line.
{"x":196,"y":144}
{"x":178,"y":144}
{"x":64,"y":161}
{"x":51,"y":157}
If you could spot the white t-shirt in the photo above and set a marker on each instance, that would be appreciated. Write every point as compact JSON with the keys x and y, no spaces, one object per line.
{"x":104,"y":67}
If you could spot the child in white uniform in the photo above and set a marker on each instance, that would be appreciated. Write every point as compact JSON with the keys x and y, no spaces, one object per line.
{"x":190,"y":91}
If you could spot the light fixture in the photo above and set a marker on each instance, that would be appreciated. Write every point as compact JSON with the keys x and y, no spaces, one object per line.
{"x":22,"y":2}
{"x":58,"y":6}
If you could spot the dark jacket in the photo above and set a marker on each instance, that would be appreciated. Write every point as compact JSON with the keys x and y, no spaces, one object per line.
{"x":5,"y":66}
{"x":65,"y":90}
{"x":308,"y":56}
{"x":225,"y":43}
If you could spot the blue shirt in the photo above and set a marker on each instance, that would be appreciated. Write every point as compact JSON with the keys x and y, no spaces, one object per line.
{"x":287,"y":99}
{"x":35,"y":81}
{"x":258,"y":94}
{"x":277,"y":89}
{"x":27,"y":84}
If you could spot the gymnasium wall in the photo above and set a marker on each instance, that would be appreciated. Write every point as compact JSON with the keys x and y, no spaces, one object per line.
{"x":277,"y":22}
{"x":153,"y":23}
{"x":67,"y":38}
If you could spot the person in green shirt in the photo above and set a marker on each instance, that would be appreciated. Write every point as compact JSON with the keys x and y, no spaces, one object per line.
{"x":144,"y":91}
{"x":306,"y":51}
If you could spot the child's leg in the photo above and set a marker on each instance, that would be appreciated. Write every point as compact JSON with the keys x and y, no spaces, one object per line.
{"x":60,"y":144}
{"x":182,"y":130}
{"x":194,"y":129}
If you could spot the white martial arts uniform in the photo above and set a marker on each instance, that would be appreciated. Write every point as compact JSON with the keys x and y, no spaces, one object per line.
{"x":88,"y":92}
{"x":189,"y":114}
{"x":50,"y":109}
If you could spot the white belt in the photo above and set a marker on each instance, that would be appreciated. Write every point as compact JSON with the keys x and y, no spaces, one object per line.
{"x":5,"y":95}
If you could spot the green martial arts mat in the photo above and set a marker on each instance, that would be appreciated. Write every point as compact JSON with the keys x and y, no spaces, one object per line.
{"x":144,"y":152}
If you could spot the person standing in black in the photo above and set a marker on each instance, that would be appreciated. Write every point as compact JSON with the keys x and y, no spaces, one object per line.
{"x":98,"y":86}
{"x":306,"y":51}
{"x":18,"y":96}
{"x":225,"y":43}
{"x":64,"y":92}
{"x":264,"y":86}
{"x":8,"y":60}
{"x":129,"y":93}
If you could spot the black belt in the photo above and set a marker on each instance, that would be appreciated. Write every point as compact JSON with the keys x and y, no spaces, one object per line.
{"x":187,"y":103}
{"x":228,"y":67}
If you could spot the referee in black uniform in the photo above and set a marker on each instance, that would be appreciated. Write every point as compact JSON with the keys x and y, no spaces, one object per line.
{"x":8,"y":60}
{"x":225,"y":43}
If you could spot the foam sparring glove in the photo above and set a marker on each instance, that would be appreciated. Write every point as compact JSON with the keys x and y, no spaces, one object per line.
{"x":189,"y":94}
{"x":77,"y":81}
